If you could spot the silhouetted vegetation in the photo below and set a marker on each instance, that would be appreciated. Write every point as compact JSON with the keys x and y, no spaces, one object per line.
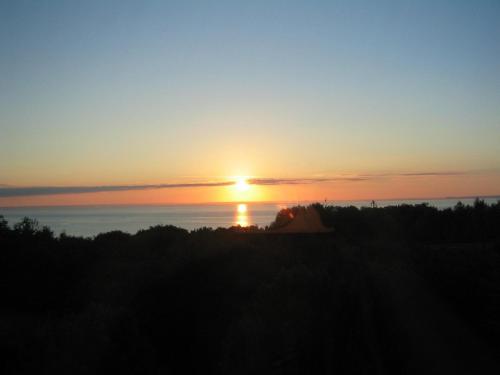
{"x":404,"y":289}
{"x":410,"y":223}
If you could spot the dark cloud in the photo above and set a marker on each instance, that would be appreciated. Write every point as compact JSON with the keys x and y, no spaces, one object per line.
{"x":418,"y":174}
{"x":54,"y":190}
{"x":352,"y":178}
{"x":301,"y":181}
{"x":11,"y":191}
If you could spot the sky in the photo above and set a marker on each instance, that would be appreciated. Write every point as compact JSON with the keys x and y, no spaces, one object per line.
{"x":116,"y":102}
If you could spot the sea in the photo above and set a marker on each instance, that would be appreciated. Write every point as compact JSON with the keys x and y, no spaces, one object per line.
{"x":89,"y":221}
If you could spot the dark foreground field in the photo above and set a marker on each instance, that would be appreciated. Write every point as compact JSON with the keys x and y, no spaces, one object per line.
{"x":366,"y":298}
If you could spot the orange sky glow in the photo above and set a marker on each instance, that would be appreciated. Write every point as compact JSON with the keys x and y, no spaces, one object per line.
{"x":314,"y":100}
{"x":391,"y":187}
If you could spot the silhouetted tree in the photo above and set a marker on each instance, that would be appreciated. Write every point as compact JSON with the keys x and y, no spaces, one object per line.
{"x":4,"y":225}
{"x":241,"y":300}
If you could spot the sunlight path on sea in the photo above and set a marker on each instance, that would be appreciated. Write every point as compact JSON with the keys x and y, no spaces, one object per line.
{"x":242,"y":216}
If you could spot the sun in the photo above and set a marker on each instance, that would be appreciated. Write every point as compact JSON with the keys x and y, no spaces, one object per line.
{"x":241,"y":184}
{"x":241,"y":189}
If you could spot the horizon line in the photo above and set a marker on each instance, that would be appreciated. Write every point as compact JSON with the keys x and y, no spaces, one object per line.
{"x":294,"y":202}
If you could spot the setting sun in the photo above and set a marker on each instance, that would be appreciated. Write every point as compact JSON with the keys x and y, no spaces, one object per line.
{"x":250,"y":186}
{"x":241,"y":184}
{"x":241,"y":189}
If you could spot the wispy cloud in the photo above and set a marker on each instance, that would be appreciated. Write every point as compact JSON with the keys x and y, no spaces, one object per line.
{"x":349,"y":178}
{"x":301,"y":181}
{"x":55,"y":190}
{"x":417,"y":174}
{"x":7,"y":191}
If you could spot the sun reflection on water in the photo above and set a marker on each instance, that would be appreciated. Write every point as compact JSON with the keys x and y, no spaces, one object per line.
{"x":241,"y":218}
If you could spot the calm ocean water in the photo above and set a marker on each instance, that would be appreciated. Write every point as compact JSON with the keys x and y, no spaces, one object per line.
{"x":91,"y":220}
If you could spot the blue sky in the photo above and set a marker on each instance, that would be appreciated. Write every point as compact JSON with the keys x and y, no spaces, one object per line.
{"x":121,"y":92}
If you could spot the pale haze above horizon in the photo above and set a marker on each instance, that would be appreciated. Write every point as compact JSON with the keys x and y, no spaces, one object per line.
{"x":116,"y":102}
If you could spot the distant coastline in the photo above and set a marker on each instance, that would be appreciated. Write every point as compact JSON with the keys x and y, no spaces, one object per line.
{"x":284,"y":202}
